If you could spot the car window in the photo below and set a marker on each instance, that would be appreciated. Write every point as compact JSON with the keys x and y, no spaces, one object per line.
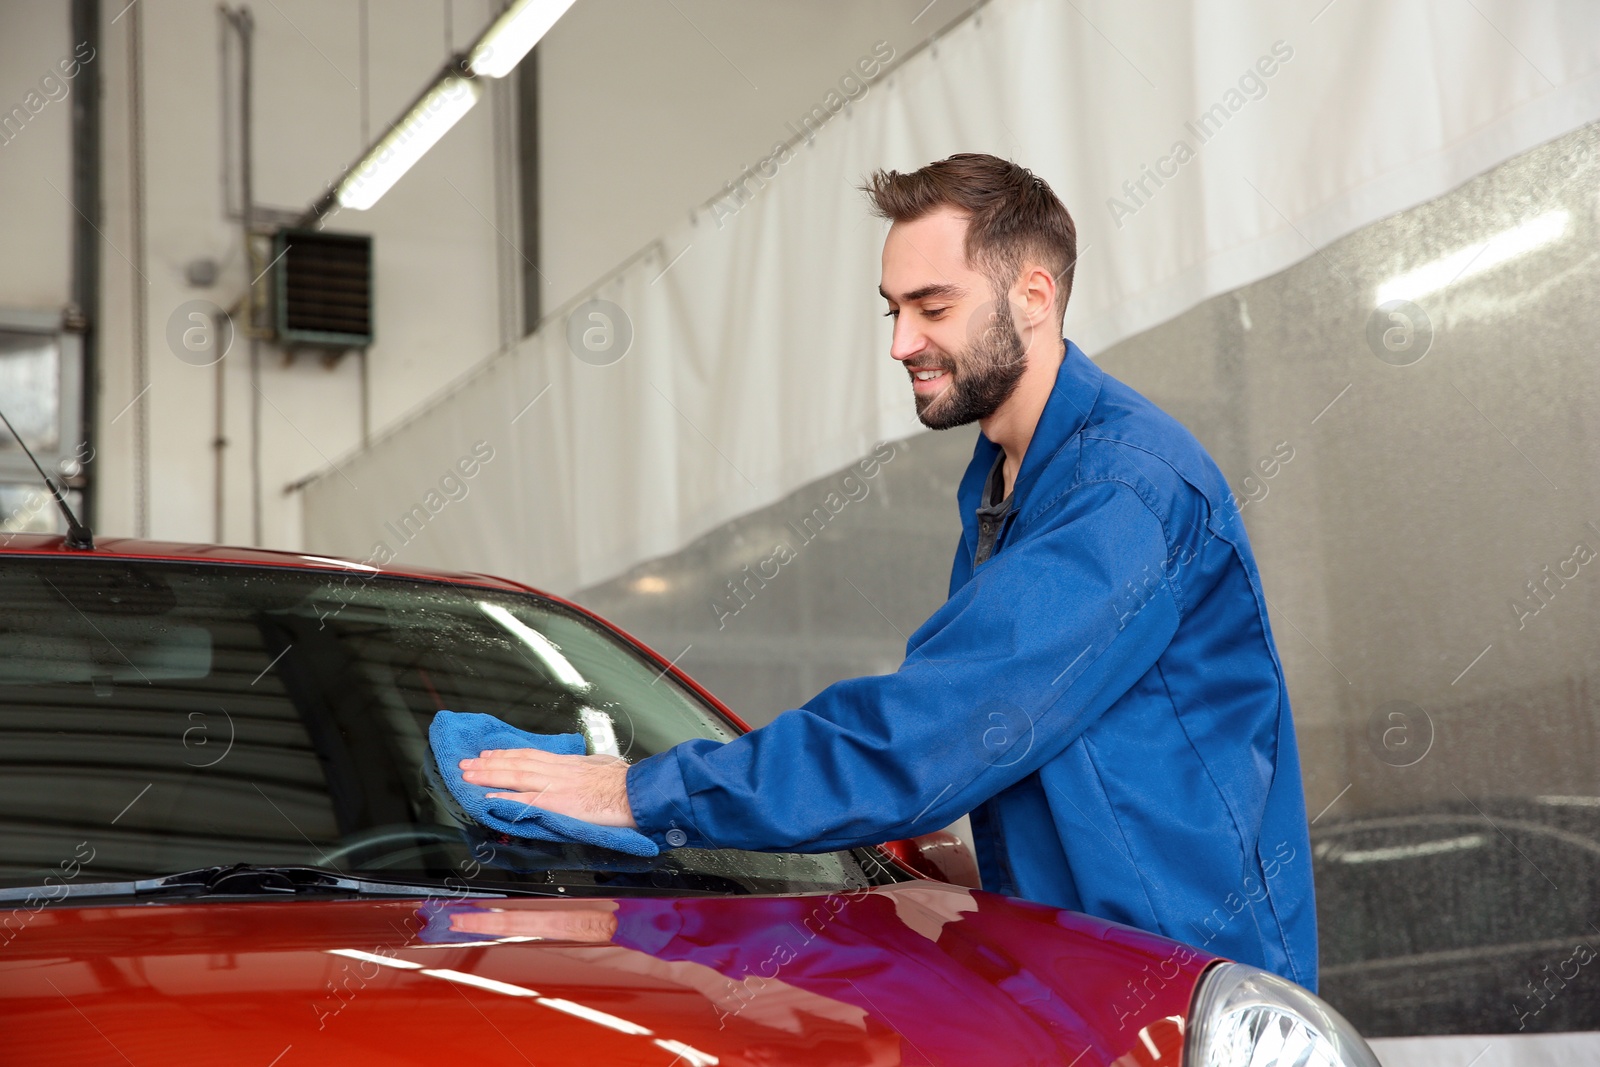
{"x":171,"y":716}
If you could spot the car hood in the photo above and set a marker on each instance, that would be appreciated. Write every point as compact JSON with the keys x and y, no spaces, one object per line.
{"x":913,"y":973}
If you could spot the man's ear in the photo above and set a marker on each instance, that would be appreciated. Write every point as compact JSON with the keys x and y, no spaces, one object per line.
{"x":1038,"y":294}
{"x":1032,"y":299}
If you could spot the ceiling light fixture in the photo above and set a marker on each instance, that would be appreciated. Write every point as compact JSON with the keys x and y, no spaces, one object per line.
{"x":429,"y":119}
{"x":443,"y":104}
{"x":513,"y":35}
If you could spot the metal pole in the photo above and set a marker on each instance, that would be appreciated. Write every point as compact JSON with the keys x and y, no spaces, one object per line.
{"x":219,"y":441}
{"x":141,"y":286}
{"x":86,"y":236}
{"x":246,"y":24}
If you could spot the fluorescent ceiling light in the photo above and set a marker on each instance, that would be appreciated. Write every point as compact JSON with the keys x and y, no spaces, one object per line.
{"x":503,"y":45}
{"x":539,"y":644}
{"x":513,"y":36}
{"x":419,"y":130}
{"x":1475,"y":258}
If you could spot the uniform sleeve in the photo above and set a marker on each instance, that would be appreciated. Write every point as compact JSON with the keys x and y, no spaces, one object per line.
{"x":1044,"y":637}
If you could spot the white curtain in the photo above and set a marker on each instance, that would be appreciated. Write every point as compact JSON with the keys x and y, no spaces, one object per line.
{"x":1199,"y":146}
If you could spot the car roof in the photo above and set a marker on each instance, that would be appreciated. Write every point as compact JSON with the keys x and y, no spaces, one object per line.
{"x":135,"y":548}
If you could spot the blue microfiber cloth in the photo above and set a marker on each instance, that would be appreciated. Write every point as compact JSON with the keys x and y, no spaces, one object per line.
{"x":456,"y":735}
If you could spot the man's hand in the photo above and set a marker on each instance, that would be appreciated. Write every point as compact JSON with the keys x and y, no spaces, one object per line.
{"x":591,"y":788}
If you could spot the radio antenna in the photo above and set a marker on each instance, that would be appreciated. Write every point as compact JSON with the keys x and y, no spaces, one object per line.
{"x":78,"y":535}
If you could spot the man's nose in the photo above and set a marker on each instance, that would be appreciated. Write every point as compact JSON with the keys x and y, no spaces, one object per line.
{"x":908,"y":340}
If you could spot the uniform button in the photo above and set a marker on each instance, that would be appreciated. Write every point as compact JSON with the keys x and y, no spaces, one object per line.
{"x":677,"y":838}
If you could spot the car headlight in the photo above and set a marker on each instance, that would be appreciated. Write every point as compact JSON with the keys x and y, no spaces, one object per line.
{"x":1244,"y":1017}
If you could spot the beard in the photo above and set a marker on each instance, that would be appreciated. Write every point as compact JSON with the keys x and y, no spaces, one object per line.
{"x":983,"y":376}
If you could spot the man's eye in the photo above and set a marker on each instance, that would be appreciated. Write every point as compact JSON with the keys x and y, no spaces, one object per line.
{"x":934,"y":313}
{"x":891,"y":313}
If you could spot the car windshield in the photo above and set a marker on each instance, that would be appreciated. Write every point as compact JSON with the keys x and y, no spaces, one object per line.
{"x":160,"y":717}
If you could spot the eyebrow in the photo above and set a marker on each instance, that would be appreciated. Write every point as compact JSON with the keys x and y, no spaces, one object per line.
{"x":941,"y":290}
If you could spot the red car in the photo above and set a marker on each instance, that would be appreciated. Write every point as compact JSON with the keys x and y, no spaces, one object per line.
{"x":223,"y":839}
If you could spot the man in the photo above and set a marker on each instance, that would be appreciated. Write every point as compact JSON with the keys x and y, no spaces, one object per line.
{"x":1101,"y":690}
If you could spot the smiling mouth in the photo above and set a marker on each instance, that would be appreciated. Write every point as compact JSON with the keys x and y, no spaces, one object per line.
{"x":927,"y":379}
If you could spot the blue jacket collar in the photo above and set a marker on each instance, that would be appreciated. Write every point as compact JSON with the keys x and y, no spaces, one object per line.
{"x":1073,"y":396}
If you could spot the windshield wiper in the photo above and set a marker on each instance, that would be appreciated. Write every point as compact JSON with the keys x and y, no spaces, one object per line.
{"x":267,"y":881}
{"x":240,"y":879}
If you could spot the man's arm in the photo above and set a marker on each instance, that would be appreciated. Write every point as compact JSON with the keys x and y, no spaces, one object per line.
{"x":1006,"y":674}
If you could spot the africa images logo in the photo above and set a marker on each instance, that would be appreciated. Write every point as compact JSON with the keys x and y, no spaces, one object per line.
{"x":52,"y":89}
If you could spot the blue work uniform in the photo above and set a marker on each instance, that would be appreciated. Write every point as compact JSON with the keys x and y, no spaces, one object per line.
{"x":1102,"y":694}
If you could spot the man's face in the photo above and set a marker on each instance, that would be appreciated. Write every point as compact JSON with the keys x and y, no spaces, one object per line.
{"x":957,"y":341}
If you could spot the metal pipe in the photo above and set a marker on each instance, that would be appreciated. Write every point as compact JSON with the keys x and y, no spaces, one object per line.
{"x":219,"y":441}
{"x":219,"y":322}
{"x":86,"y":238}
{"x":527,"y":87}
{"x":141,"y":287}
{"x":244,"y":23}
{"x":366,"y":399}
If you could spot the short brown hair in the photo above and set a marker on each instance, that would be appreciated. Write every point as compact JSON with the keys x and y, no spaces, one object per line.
{"x":1012,"y":215}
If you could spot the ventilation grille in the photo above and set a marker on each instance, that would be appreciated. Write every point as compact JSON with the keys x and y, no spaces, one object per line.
{"x":324,"y":288}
